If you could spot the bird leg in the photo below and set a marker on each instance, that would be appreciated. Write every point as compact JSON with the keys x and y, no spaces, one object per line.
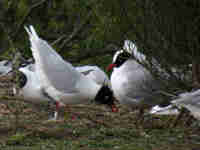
{"x":140,"y":117}
{"x":188,"y":118}
{"x":180,"y":115}
{"x":188,"y":122}
{"x":55,"y":115}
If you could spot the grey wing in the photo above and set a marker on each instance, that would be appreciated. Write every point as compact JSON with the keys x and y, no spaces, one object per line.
{"x":59,"y":73}
{"x":191,"y":101}
{"x":94,"y":73}
{"x":140,"y":84}
{"x":85,"y":69}
{"x":100,"y":77}
{"x":189,"y":98}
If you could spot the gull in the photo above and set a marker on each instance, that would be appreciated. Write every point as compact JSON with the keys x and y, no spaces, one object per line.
{"x":31,"y":90}
{"x":5,"y":67}
{"x":188,"y":100}
{"x":132,"y":84}
{"x":60,"y":81}
{"x":30,"y":87}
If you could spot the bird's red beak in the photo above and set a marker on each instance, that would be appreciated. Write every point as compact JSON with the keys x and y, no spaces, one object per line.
{"x":110,"y":67}
{"x":114,"y":108}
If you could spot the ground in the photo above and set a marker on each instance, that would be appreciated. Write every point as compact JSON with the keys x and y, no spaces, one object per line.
{"x":24,"y":126}
{"x":93,"y":128}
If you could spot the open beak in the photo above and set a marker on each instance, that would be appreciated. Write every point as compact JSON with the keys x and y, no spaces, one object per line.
{"x":110,"y":67}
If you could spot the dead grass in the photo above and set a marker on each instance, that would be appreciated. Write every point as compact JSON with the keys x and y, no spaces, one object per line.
{"x":24,"y":126}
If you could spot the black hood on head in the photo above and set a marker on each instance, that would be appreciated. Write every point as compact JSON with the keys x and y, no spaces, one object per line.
{"x":122,"y":58}
{"x":22,"y":79}
{"x":105,"y":96}
{"x":24,"y":62}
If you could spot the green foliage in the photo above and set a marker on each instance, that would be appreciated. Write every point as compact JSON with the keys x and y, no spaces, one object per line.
{"x":22,"y":9}
{"x":18,"y":138}
{"x":167,"y":31}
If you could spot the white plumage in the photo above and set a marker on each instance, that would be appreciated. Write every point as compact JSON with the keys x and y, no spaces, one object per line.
{"x":95,"y":74}
{"x":32,"y":89}
{"x":133,"y":84}
{"x":59,"y":80}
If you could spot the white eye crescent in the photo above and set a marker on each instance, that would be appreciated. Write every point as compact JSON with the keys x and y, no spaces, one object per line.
{"x":116,"y":55}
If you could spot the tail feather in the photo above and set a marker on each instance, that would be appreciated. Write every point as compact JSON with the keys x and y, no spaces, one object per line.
{"x":28,"y":31}
{"x":34,"y":33}
{"x":36,"y":42}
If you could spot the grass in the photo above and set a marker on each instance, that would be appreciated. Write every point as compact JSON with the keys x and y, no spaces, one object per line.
{"x":24,"y":126}
{"x":95,"y":128}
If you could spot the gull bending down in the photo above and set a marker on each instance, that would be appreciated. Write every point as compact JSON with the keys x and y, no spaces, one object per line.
{"x":30,"y":87}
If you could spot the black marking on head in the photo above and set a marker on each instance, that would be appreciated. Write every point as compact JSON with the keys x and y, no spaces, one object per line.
{"x":105,"y":96}
{"x":24,"y":62}
{"x":22,"y":79}
{"x":122,"y":57}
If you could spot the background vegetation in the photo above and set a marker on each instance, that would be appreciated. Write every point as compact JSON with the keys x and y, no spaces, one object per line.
{"x":89,"y":31}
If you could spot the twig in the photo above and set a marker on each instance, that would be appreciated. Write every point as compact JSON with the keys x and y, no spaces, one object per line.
{"x":26,"y":16}
{"x":87,"y":53}
{"x":5,"y":58}
{"x":167,"y":94}
{"x":58,"y":40}
{"x":76,"y":30}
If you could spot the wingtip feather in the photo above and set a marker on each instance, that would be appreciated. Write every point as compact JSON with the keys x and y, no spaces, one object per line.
{"x":34,"y":33}
{"x":31,"y":32}
{"x":27,"y":30}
